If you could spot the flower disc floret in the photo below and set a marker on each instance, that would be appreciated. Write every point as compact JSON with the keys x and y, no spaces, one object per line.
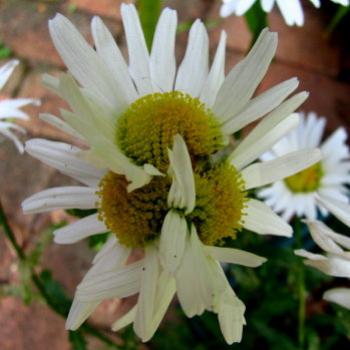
{"x":147,"y":128}
{"x":136,"y":217}
{"x":308,"y":180}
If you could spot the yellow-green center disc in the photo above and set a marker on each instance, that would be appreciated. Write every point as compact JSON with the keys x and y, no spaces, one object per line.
{"x":147,"y":128}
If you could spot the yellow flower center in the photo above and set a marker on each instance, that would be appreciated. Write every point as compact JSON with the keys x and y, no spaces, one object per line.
{"x":136,"y":218}
{"x":307,"y":180}
{"x":147,"y":128}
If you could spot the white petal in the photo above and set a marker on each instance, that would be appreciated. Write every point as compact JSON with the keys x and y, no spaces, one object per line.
{"x":138,"y":54}
{"x":271,"y":100}
{"x":193,"y":70}
{"x":235,"y":256}
{"x":320,"y":234}
{"x":260,"y":140}
{"x":244,"y":78}
{"x":79,"y":230}
{"x":261,"y":174}
{"x":244,"y":6}
{"x":119,"y":283}
{"x":262,"y":220}
{"x":83,"y":62}
{"x":59,"y":124}
{"x":66,"y":158}
{"x":125,"y":320}
{"x":6,"y":70}
{"x":292,"y":11}
{"x":79,"y":312}
{"x":172,"y":241}
{"x":340,"y":296}
{"x":267,"y":5}
{"x":147,"y":298}
{"x":10,"y":135}
{"x":162,"y":62}
{"x":333,"y":266}
{"x":70,"y":197}
{"x":110,"y":54}
{"x":216,"y":75}
{"x":311,"y":256}
{"x":182,"y":193}
{"x":339,"y":209}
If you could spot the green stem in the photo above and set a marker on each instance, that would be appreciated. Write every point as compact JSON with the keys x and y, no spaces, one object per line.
{"x":301,"y":286}
{"x":149,"y":11}
{"x":87,"y":328}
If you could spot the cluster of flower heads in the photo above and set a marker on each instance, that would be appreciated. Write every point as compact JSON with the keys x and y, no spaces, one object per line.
{"x":10,"y":108}
{"x":164,"y":175}
{"x":291,"y":10}
{"x":160,"y":169}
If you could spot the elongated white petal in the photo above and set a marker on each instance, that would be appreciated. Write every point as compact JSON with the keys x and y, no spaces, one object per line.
{"x":118,"y":283}
{"x":79,"y":312}
{"x":263,"y":104}
{"x":70,"y":197}
{"x":340,"y":296}
{"x":194,"y":286}
{"x":125,"y":320}
{"x":216,"y":75}
{"x":4,"y":130}
{"x":260,"y":141}
{"x":261,"y":219}
{"x":193,"y":70}
{"x":244,"y":78}
{"x":79,"y":230}
{"x":65,"y":158}
{"x":339,"y":209}
{"x":162,"y":61}
{"x":172,"y":241}
{"x":321,"y":234}
{"x":231,"y":317}
{"x":59,"y":124}
{"x":332,"y":266}
{"x":83,"y":62}
{"x":6,"y":70}
{"x":147,"y":298}
{"x":261,"y":174}
{"x":182,"y":193}
{"x":235,"y":256}
{"x":110,"y":54}
{"x":139,"y":65}
{"x":305,"y":254}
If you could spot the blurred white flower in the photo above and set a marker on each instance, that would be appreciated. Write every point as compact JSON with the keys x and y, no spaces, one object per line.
{"x":154,"y":168}
{"x":291,"y":10}
{"x":335,"y":263}
{"x":321,"y":186}
{"x":10,"y":108}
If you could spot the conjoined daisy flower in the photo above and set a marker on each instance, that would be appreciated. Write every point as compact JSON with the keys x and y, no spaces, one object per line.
{"x":320,"y":186}
{"x":159,"y":168}
{"x":291,"y":10}
{"x":10,"y":108}
{"x":335,"y":263}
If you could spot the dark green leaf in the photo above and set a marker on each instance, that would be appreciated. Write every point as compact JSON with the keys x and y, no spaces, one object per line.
{"x":77,"y":340}
{"x":256,"y":20}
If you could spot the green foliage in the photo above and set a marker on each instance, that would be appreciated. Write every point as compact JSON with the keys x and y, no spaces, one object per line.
{"x":337,"y":18}
{"x":5,"y":52}
{"x":97,"y":241}
{"x":81,"y":213}
{"x":256,"y":20}
{"x":149,"y":11}
{"x":77,"y":340}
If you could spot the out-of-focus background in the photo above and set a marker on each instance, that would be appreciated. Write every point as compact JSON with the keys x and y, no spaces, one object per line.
{"x":321,"y":61}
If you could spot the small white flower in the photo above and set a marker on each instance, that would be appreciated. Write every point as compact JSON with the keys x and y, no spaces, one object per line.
{"x":159,"y":170}
{"x":10,"y":108}
{"x":335,"y":263}
{"x":291,"y":10}
{"x":321,"y":186}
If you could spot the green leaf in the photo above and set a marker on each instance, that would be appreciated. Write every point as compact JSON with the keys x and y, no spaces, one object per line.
{"x":149,"y":11}
{"x":256,"y":19}
{"x":339,"y":15}
{"x":97,"y":241}
{"x":81,"y":213}
{"x":77,"y":340}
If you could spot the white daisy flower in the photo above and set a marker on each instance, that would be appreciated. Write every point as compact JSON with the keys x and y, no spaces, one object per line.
{"x":291,"y":10}
{"x":158,"y":168}
{"x":335,"y":263}
{"x":10,"y":108}
{"x":321,"y":186}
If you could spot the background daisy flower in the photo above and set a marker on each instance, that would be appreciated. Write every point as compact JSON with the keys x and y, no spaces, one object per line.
{"x":322,"y":186}
{"x":10,"y":109}
{"x":335,"y":263}
{"x":291,"y":10}
{"x":159,"y":169}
